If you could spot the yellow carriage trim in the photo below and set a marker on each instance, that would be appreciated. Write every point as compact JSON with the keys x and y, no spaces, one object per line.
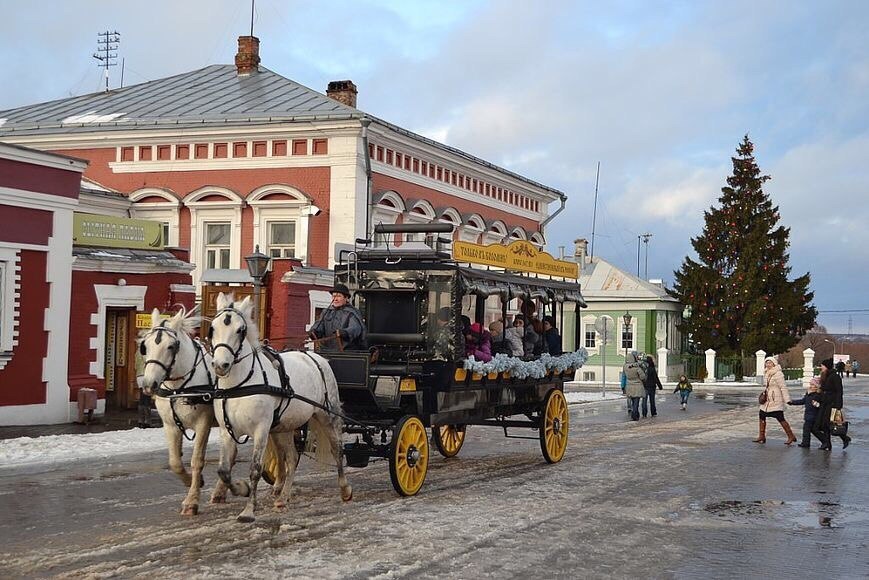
{"x":520,"y":256}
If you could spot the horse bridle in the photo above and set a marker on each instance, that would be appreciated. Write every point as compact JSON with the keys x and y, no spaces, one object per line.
{"x":173,"y":348}
{"x":242,"y":332}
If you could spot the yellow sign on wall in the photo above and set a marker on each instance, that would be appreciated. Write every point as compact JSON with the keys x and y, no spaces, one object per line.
{"x":116,"y":232}
{"x":520,"y":256}
{"x":144,"y":320}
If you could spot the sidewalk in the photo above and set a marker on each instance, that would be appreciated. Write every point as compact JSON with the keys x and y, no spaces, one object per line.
{"x":114,"y":421}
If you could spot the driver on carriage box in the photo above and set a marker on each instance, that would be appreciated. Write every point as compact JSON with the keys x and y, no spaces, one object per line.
{"x":340,"y":319}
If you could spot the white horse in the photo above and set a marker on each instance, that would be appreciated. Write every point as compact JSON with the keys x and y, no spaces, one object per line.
{"x":176,"y":364}
{"x":243,"y":369}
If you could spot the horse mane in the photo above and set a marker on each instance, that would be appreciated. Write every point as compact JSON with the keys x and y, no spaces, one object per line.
{"x":190,"y":321}
{"x":252,"y":328}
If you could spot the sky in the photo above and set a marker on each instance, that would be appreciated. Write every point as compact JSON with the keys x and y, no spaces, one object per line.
{"x":659,"y":93}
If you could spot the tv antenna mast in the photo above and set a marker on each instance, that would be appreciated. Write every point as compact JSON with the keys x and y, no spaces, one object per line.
{"x":106,"y":43}
{"x":594,"y":211}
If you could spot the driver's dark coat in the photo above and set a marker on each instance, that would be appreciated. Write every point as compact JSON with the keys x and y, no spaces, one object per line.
{"x":346,"y":318}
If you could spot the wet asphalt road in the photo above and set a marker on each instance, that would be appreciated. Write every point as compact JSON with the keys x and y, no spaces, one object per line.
{"x":684,"y":495}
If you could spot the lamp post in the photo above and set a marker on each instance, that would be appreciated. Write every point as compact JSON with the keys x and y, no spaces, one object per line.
{"x":627,"y":320}
{"x":258,"y":266}
{"x":834,"y":348}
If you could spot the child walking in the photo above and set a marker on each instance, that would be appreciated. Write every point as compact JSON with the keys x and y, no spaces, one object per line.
{"x":684,"y":388}
{"x":811,"y":411}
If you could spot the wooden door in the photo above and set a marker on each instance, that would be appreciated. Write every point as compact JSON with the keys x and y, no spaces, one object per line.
{"x":120,"y":372}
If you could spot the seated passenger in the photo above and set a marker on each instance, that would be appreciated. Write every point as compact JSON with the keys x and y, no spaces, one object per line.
{"x":478,"y":343}
{"x":499,"y":343}
{"x":551,"y":338}
{"x":513,"y":337}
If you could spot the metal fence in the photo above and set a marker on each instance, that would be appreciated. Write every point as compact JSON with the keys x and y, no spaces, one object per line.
{"x":735,"y":366}
{"x":694,"y":366}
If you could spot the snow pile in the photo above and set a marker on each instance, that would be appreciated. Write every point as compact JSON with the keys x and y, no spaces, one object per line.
{"x":591,"y":397}
{"x":65,"y":448}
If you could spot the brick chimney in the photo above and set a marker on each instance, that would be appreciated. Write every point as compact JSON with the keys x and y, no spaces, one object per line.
{"x":343,"y":92}
{"x":580,"y":251}
{"x":247,"y":58}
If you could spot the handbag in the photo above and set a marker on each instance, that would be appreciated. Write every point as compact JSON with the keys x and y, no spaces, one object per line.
{"x":761,"y":398}
{"x":838,"y":424}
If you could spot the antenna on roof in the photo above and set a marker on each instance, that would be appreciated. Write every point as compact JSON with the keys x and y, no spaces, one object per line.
{"x":594,"y":211}
{"x":251,"y":16}
{"x":106,"y":43}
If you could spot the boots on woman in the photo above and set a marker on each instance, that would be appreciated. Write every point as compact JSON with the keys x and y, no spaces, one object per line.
{"x":789,"y":432}
{"x":761,"y":438}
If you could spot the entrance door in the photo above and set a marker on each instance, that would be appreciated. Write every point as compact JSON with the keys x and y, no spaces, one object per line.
{"x":120,"y":373}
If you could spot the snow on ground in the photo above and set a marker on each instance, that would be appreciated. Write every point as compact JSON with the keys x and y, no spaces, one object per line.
{"x":590,"y":397}
{"x":64,"y":448}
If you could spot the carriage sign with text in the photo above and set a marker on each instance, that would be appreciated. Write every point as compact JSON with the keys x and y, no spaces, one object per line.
{"x":414,"y":375}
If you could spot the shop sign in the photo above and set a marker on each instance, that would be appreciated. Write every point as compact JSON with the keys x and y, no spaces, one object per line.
{"x":519,"y":256}
{"x":143,"y":320}
{"x":116,"y":232}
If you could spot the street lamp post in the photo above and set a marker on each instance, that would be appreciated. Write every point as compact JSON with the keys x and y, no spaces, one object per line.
{"x":258,"y":266}
{"x":834,"y":347}
{"x":627,"y":320}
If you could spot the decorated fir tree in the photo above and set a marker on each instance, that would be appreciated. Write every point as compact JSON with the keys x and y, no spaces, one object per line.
{"x":738,"y":292}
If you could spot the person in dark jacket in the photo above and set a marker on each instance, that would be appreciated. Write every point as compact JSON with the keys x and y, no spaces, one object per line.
{"x":650,"y":383}
{"x":340,"y":321}
{"x":551,"y":338}
{"x":830,"y":399}
{"x":811,"y":411}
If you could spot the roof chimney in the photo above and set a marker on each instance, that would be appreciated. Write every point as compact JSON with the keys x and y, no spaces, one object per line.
{"x":343,"y":92}
{"x":247,"y":58}
{"x":579,"y":251}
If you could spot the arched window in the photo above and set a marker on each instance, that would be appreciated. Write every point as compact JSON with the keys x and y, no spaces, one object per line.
{"x":215,"y":230}
{"x":281,"y":216}
{"x":159,"y":205}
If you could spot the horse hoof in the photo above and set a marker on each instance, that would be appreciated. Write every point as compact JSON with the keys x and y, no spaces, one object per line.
{"x":347,"y":497}
{"x":280,"y":505}
{"x":245,"y":519}
{"x":218,"y":499}
{"x":245,"y":489}
{"x":190,"y":510}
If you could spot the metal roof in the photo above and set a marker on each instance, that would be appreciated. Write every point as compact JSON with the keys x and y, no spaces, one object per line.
{"x":214,"y":94}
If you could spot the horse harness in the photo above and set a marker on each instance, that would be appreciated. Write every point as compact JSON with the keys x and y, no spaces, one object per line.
{"x":195,"y":394}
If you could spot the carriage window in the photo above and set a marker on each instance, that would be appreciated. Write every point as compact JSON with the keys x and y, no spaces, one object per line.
{"x":282,"y":239}
{"x":392,"y":312}
{"x":218,"y":238}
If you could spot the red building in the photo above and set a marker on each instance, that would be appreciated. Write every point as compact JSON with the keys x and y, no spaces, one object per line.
{"x":229,"y":157}
{"x":38,"y":194}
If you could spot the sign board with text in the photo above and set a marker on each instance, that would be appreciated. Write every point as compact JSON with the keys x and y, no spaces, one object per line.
{"x":519,"y":256}
{"x":116,"y":232}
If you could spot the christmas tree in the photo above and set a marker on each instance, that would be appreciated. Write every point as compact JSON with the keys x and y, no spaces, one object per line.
{"x":738,"y":292}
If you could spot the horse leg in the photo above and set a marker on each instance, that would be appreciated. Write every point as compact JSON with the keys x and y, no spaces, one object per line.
{"x":228,"y":452}
{"x":286,"y":447}
{"x":190,"y":506}
{"x":176,"y":464}
{"x":331,"y":430}
{"x":260,"y":439}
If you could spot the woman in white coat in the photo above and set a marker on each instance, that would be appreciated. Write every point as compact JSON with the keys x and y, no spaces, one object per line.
{"x":776,"y":398}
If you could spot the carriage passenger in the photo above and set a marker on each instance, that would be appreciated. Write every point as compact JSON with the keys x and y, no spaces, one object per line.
{"x":478,"y":343}
{"x":342,"y":320}
{"x":551,"y":338}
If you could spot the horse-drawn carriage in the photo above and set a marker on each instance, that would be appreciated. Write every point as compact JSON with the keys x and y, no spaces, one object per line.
{"x":414,"y":374}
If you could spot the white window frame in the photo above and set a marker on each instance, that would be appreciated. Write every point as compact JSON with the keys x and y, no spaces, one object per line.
{"x":282,"y":247}
{"x":633,"y":328}
{"x":202,"y":212}
{"x":217,"y":248}
{"x":472,"y":229}
{"x":165,"y":212}
{"x":496,"y":234}
{"x":9,"y":291}
{"x":585,"y":336}
{"x":298,"y":209}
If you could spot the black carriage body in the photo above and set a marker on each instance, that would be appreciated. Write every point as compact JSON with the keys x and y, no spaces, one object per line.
{"x":409,"y":369}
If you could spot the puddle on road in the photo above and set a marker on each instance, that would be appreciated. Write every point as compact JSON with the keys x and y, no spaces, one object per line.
{"x":802,"y":514}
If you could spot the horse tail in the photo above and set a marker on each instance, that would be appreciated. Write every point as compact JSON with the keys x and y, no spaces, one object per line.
{"x":331,"y":420}
{"x":320,"y":439}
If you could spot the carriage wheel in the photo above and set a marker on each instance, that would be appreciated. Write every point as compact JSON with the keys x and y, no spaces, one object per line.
{"x":554,"y":425}
{"x":448,"y":439}
{"x":408,"y":456}
{"x":270,"y":458}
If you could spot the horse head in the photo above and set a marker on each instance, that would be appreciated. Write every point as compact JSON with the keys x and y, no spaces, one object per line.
{"x":231,"y":329}
{"x":165,"y":349}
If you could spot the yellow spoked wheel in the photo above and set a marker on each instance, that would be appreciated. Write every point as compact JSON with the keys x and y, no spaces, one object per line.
{"x":448,"y":439}
{"x":408,"y":457}
{"x":554,"y":425}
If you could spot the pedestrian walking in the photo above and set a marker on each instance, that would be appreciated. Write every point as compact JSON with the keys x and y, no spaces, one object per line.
{"x":683,"y":388}
{"x":650,"y":384}
{"x":634,"y":375}
{"x":840,"y":369}
{"x":855,"y":366}
{"x":811,"y":411}
{"x":772,"y":401}
{"x":831,"y":400}
{"x":848,"y":367}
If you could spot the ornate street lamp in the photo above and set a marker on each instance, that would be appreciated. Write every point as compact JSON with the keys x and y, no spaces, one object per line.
{"x":258,"y":266}
{"x":627,"y":320}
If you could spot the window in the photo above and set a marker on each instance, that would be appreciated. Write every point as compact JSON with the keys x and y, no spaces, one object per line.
{"x":282,"y":239}
{"x":588,"y":376}
{"x":590,"y":336}
{"x":217,"y":244}
{"x":165,"y":233}
{"x":627,"y":337}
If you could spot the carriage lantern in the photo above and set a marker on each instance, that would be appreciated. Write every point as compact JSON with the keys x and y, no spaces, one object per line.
{"x":257,"y":265}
